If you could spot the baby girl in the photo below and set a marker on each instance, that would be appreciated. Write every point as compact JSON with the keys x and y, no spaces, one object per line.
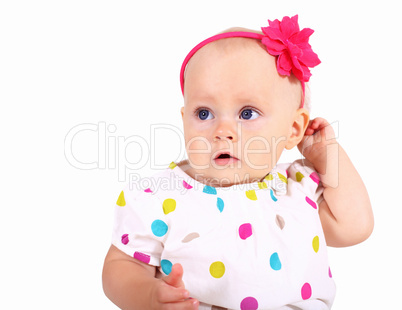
{"x":229,"y":227}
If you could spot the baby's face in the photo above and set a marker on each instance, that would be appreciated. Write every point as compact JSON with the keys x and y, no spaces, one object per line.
{"x":235,"y":103}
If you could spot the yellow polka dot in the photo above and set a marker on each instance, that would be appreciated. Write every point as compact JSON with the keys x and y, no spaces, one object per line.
{"x":169,"y":205}
{"x":282,"y":178}
{"x":262,"y":185}
{"x":251,"y":194}
{"x":299,"y":176}
{"x":217,"y":269}
{"x":316,"y":244}
{"x":269,"y":177}
{"x":172,"y":165}
{"x":121,"y":201}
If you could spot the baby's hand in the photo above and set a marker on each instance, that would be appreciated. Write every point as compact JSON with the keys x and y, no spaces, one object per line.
{"x":314,"y":145}
{"x":170,"y":292}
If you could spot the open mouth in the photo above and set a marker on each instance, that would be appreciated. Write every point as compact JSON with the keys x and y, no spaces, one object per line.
{"x":225,"y":158}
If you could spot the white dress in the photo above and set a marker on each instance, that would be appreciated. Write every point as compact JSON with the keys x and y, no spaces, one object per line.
{"x":249,"y":246}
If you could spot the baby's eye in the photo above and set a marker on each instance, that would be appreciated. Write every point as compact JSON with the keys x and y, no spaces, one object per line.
{"x":204,"y":115}
{"x":249,"y":114}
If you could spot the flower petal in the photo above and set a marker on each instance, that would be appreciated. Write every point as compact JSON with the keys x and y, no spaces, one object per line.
{"x":274,"y":47}
{"x":295,"y":20}
{"x":306,"y":73}
{"x":302,"y":36}
{"x":274,"y":24}
{"x":301,"y":72}
{"x":273,"y":33}
{"x":294,"y":50}
{"x":285,"y":40}
{"x":289,"y":26}
{"x":309,"y":58}
{"x":284,"y":64}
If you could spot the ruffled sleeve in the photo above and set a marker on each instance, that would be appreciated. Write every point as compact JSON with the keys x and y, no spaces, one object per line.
{"x":139,"y":228}
{"x":303,"y":177}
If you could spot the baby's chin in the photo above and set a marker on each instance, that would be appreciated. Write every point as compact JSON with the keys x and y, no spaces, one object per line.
{"x":227,"y":177}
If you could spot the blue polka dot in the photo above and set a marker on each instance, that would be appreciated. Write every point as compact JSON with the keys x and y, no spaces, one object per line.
{"x":272,"y":196}
{"x":166,"y":266}
{"x":220,"y":204}
{"x":159,"y":228}
{"x":209,"y":190}
{"x":275,"y":262}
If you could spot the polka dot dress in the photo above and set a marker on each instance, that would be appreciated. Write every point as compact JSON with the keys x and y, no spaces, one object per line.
{"x":248,"y":246}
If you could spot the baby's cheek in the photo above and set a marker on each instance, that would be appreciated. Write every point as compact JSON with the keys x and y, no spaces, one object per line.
{"x":262,"y":153}
{"x":256,"y":145}
{"x":258,"y":161}
{"x":198,"y":151}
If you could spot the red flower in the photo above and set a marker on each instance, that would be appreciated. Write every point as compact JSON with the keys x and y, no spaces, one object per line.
{"x":285,"y":40}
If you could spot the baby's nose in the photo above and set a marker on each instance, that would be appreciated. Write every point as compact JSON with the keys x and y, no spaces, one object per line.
{"x":226,"y":131}
{"x":224,"y":137}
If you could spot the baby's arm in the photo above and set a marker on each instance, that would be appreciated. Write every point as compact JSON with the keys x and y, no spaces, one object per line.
{"x":345,"y":211}
{"x":131,"y":284}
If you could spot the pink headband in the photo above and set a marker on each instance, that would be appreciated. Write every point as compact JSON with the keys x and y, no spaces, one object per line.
{"x":284,"y":40}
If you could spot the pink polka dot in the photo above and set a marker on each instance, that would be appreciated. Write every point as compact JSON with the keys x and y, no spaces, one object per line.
{"x":245,"y":231}
{"x":148,"y":190}
{"x":249,"y":303}
{"x":315,"y":177}
{"x":186,"y":185}
{"x":306,"y":291}
{"x":142,"y":257}
{"x":124,"y":239}
{"x":329,"y":272}
{"x":311,"y":203}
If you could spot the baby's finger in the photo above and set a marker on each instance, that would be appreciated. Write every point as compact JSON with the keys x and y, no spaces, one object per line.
{"x":310,"y":128}
{"x":175,"y":276}
{"x":190,"y":304}
{"x":167,"y":294}
{"x":316,"y":125}
{"x":320,"y":123}
{"x":309,"y":131}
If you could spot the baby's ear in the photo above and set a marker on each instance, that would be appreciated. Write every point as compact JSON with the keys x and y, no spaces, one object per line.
{"x":182,"y":112}
{"x":299,"y":126}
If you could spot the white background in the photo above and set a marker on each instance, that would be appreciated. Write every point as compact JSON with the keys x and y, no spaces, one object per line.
{"x":116,"y":64}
